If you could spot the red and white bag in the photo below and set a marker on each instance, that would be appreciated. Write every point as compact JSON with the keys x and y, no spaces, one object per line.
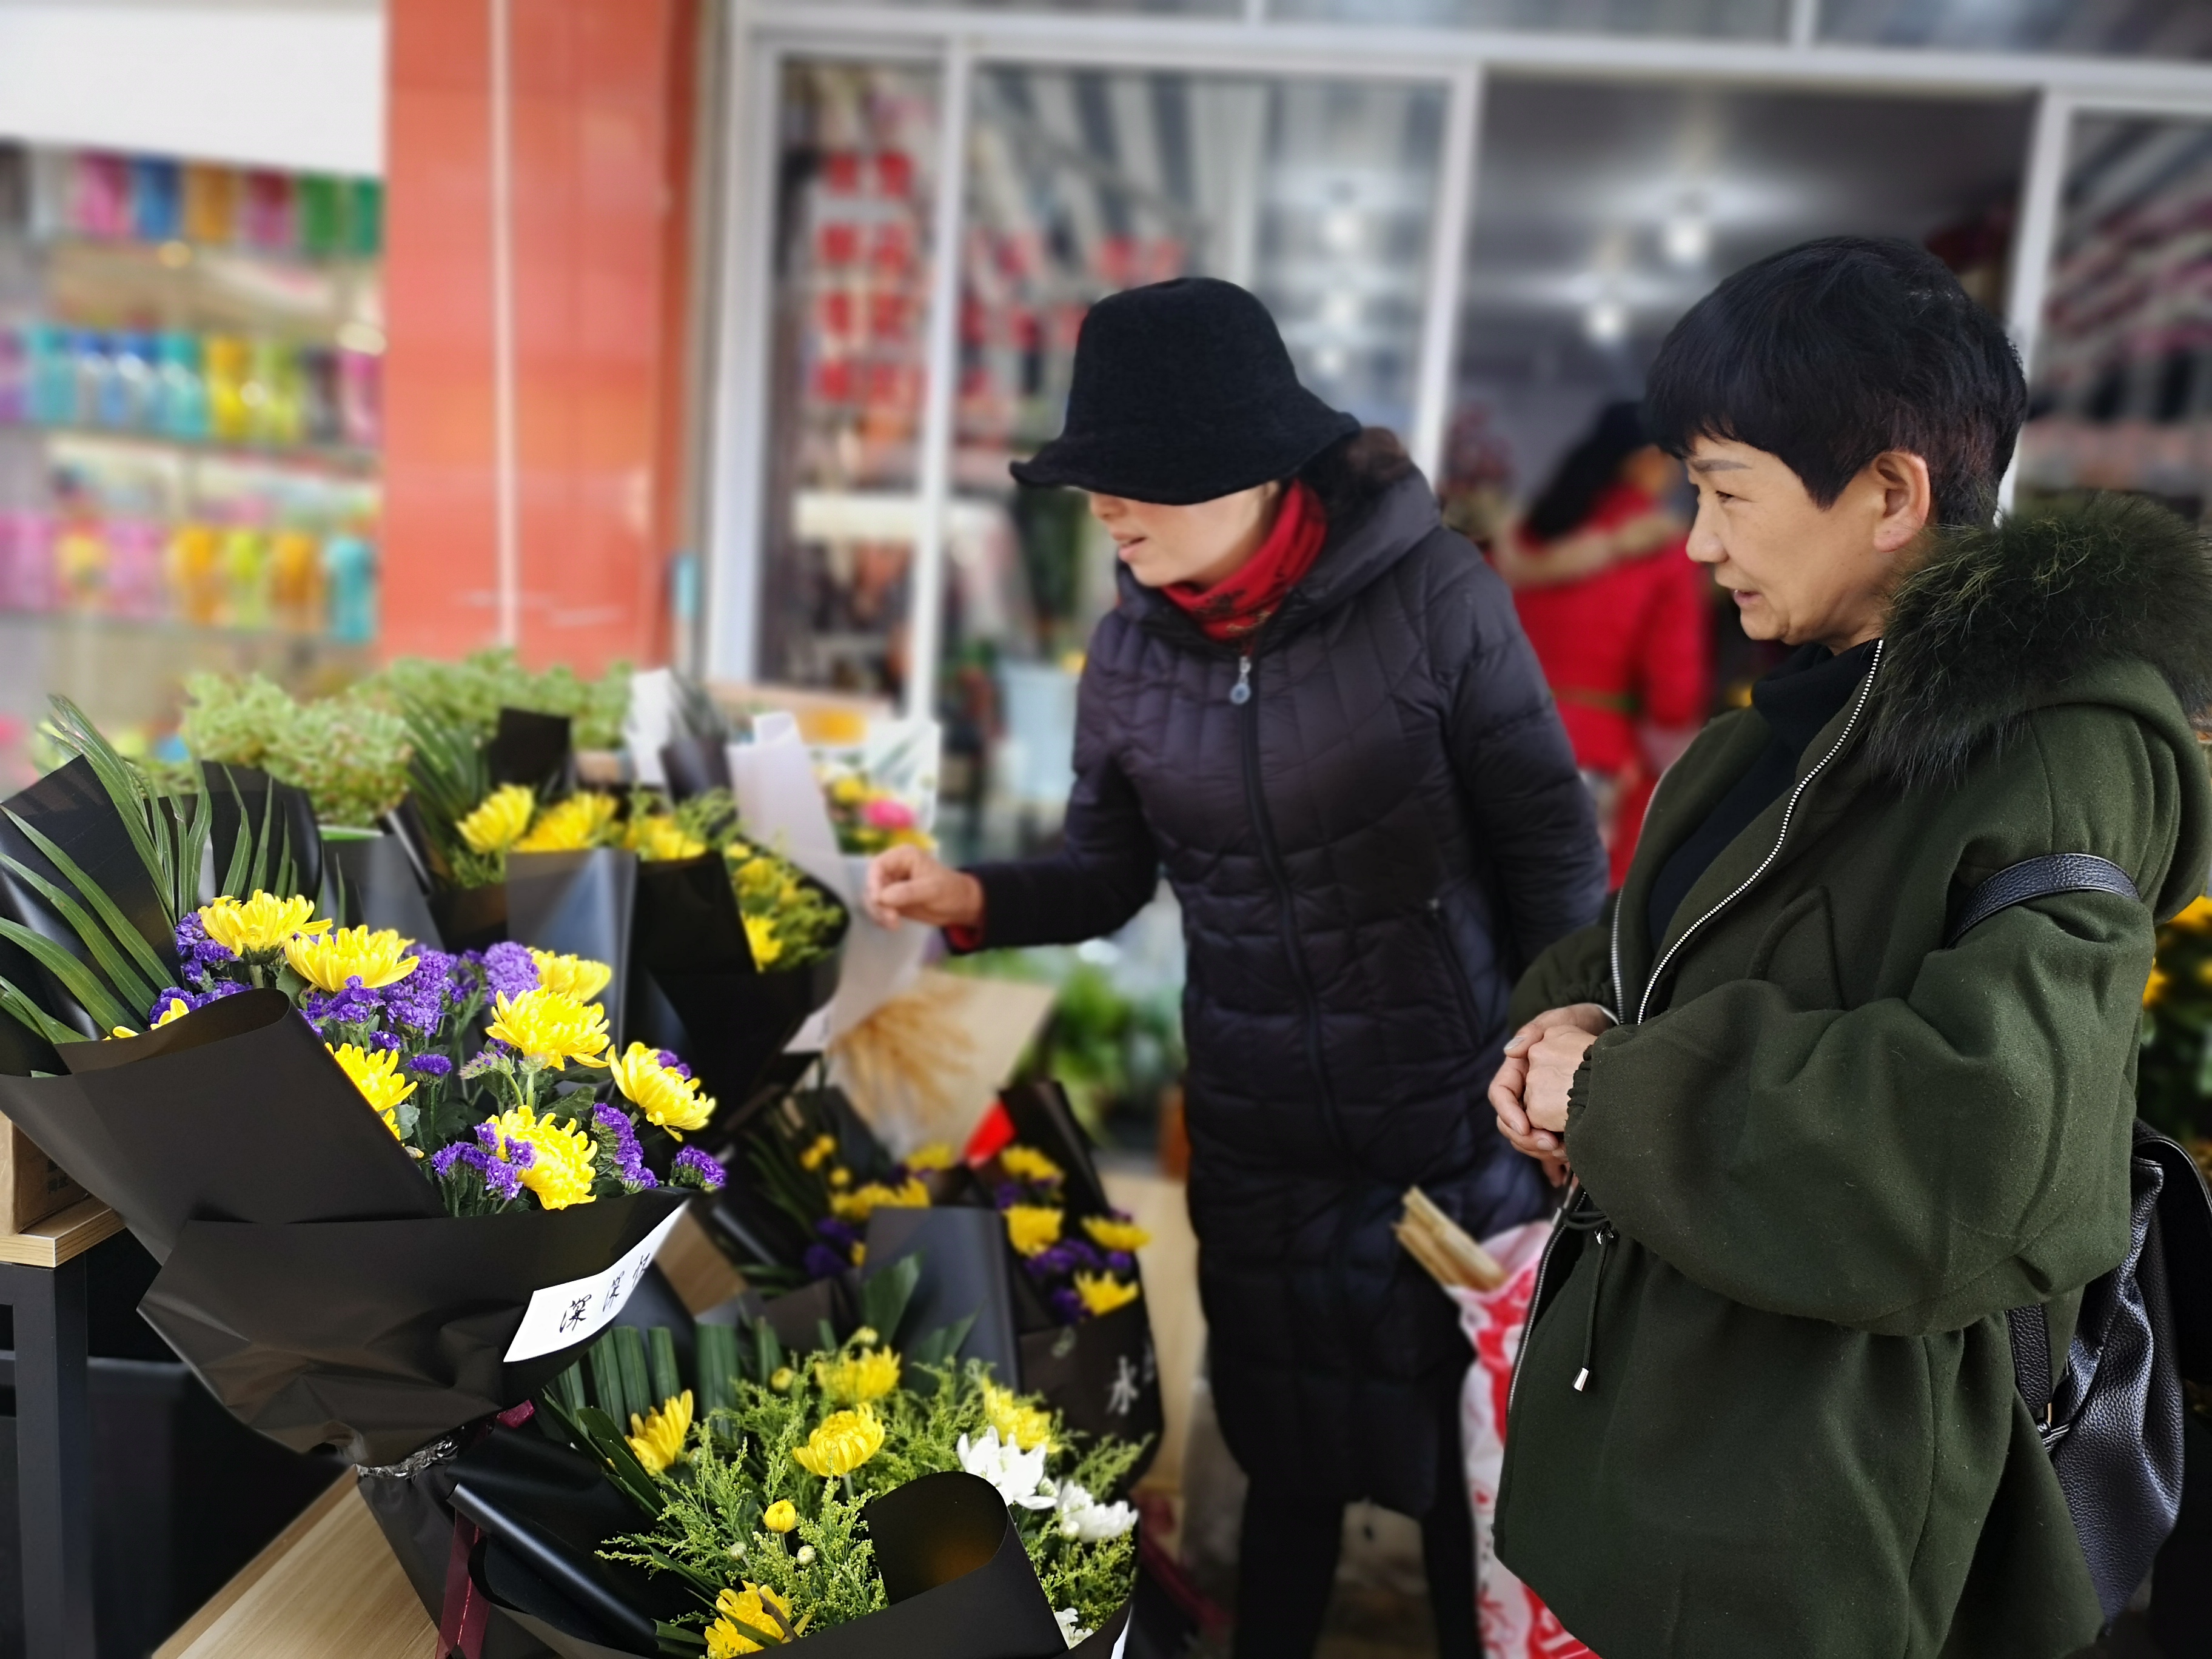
{"x":1515,"y":1623}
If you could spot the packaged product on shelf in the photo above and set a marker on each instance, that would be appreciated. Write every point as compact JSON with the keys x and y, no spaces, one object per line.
{"x":14,"y":188}
{"x":361,"y":398}
{"x":224,"y":358}
{"x":321,"y":204}
{"x":195,"y":575}
{"x":157,"y":211}
{"x":274,"y":412}
{"x":100,"y":199}
{"x":245,"y":578}
{"x":52,"y":368}
{"x":81,"y":565}
{"x":134,"y":570}
{"x":210,"y":203}
{"x":365,"y":218}
{"x":321,"y":419}
{"x":268,"y":217}
{"x":349,"y":576}
{"x":296,"y":581}
{"x":27,"y":582}
{"x":15,"y":376}
{"x":182,"y":404}
{"x":127,"y":396}
{"x":96,"y":368}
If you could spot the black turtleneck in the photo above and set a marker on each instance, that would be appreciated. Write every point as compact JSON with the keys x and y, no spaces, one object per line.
{"x":1795,"y":701}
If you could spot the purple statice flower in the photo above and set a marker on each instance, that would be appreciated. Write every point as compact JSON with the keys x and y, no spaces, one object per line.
{"x":351,"y":1006}
{"x":820,"y":1262}
{"x":385,"y":1040}
{"x":669,"y":1060}
{"x":519,"y":1154}
{"x":420,"y":1002}
{"x":431,"y":1064}
{"x":1120,"y":1262}
{"x":693,"y":1167}
{"x":619,"y":1138}
{"x":508,"y":970}
{"x":1007,"y":1194}
{"x":1068,"y":1305}
{"x":842,"y":1234}
{"x":501,"y":1179}
{"x":191,"y":998}
{"x":197,"y":954}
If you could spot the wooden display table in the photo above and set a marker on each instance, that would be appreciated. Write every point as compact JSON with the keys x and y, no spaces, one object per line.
{"x":42,"y":1280}
{"x":327,"y":1587}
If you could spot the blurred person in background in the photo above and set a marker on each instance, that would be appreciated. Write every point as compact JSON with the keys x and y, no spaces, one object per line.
{"x":1617,"y":614}
{"x":1313,"y":706}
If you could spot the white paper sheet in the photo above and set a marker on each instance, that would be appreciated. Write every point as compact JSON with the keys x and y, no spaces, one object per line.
{"x":561,"y":1315}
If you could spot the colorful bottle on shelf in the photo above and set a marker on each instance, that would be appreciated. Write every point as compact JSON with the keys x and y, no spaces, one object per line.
{"x":224,"y":362}
{"x":195,"y":574}
{"x":81,"y":565}
{"x":100,"y":198}
{"x":95,"y":376}
{"x":268,"y":219}
{"x":361,"y":398}
{"x":245,"y":578}
{"x":182,"y":411}
{"x":156,"y":204}
{"x":211,"y":214}
{"x":134,"y":570}
{"x":127,"y":400}
{"x":274,"y":374}
{"x":27,"y":561}
{"x":349,"y":572}
{"x":52,"y":365}
{"x":14,"y":375}
{"x":296,"y":581}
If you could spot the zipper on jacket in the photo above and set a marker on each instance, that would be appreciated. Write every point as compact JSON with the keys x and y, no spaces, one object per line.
{"x":1559,"y":1230}
{"x":1788,"y":817}
{"x":1263,"y":829}
{"x":1456,"y":967}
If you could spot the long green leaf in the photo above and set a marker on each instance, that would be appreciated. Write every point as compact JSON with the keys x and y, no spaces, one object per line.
{"x":124,"y":784}
{"x":261,"y":840}
{"x":198,"y":832}
{"x":121,"y":975}
{"x":885,"y":1297}
{"x":241,"y":855}
{"x":40,"y":1022}
{"x":131,"y":938}
{"x":76,"y":979}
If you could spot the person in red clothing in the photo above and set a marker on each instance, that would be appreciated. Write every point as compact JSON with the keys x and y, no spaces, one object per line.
{"x":1619,"y":616}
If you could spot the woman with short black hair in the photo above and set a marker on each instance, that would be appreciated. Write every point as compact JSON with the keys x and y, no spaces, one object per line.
{"x":1766,"y":1403}
{"x":1314,"y":709}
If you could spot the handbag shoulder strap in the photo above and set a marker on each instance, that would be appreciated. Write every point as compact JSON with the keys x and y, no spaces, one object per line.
{"x":2039,"y":877}
{"x":2028,"y":1329}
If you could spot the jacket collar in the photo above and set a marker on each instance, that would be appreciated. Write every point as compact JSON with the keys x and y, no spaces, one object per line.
{"x":1356,"y":552}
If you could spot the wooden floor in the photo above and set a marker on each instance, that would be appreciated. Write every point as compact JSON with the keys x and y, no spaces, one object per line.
{"x":327,"y":1587}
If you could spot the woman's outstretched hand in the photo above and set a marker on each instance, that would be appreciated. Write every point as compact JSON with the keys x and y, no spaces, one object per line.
{"x":907,"y":884}
{"x":1529,"y":1093}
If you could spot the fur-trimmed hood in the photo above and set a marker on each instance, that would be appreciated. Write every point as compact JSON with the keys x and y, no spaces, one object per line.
{"x":1998,"y":618}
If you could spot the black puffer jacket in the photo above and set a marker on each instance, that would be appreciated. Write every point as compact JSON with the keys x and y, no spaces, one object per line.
{"x":1368,"y":847}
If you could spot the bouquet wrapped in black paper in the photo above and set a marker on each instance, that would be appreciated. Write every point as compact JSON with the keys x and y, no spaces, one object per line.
{"x":389,"y":1187}
{"x":870,"y":1496}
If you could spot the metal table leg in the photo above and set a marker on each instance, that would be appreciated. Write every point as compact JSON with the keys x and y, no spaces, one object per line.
{"x":54,"y":1456}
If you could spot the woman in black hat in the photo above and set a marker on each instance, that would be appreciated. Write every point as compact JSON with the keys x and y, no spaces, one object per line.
{"x":1313,"y":706}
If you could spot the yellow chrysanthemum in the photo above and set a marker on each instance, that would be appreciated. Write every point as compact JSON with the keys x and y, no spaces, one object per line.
{"x":848,"y":790}
{"x":560,"y":1168}
{"x":375,"y":1072}
{"x":570,"y":826}
{"x":755,"y":1608}
{"x":1032,"y":1229}
{"x":176,"y":1009}
{"x":1023,"y":1426}
{"x":857,"y":1378}
{"x":498,"y":824}
{"x":760,"y":933}
{"x":572,"y":976}
{"x":823,"y":1148}
{"x":934,"y":1156}
{"x":328,"y":961}
{"x":658,"y":1437}
{"x":1108,"y":1234}
{"x":840,"y":1443}
{"x":864,"y":1202}
{"x":2154,"y":987}
{"x":1027,"y":1164}
{"x":544,"y":1025}
{"x":666,"y":1097}
{"x":657,"y":839}
{"x":262,"y":923}
{"x":1102,"y":1292}
{"x":781,"y":1516}
{"x":2197,"y":918}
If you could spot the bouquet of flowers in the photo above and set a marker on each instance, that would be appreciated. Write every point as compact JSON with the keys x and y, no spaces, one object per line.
{"x":782,"y":1499}
{"x":869,"y":818}
{"x":420,"y":1202}
{"x":2175,"y":1086}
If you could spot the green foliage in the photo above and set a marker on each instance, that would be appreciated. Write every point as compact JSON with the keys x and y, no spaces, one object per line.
{"x":468,"y":695}
{"x":348,"y":752}
{"x":2173,"y":1077}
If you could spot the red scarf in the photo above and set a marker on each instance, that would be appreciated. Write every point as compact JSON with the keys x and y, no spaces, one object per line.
{"x":1238,"y":605}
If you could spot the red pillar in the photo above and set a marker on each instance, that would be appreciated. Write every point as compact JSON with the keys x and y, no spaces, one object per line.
{"x":598,"y":133}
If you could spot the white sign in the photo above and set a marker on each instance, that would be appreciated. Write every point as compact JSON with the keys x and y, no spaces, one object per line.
{"x":561,"y":1315}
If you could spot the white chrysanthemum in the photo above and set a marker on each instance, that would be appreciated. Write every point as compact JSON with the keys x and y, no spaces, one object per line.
{"x":1018,"y":1475}
{"x":1084,"y":1518}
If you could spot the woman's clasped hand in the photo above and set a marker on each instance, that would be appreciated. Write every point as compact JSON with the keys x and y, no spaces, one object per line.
{"x":1530,"y":1093}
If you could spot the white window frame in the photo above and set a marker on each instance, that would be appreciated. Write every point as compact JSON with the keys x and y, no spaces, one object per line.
{"x":764,"y":34}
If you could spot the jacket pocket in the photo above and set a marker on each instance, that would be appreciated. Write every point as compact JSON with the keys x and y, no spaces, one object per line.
{"x":1455,"y":969}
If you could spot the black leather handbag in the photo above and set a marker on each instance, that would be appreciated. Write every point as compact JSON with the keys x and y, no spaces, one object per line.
{"x":2112,"y":1418}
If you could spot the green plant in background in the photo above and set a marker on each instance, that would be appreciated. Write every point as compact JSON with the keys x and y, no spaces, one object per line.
{"x":2173,"y":1080}
{"x":468,"y":695}
{"x":349,"y":754}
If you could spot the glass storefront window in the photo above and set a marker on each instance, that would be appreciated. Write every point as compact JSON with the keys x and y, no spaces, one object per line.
{"x":859,"y":143}
{"x":1185,"y":8}
{"x":1724,"y":20}
{"x":2122,"y":373}
{"x":1316,"y":194}
{"x":2135,"y":28}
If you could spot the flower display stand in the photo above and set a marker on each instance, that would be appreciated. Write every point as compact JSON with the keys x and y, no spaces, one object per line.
{"x":328,"y":1584}
{"x":42,"y":1279}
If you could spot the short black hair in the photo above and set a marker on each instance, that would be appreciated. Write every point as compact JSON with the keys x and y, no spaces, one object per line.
{"x":1831,"y":352}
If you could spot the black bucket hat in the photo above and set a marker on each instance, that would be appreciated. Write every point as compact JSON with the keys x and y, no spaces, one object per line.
{"x":1183,"y":392}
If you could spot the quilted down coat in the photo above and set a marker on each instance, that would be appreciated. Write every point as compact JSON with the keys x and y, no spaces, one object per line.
{"x":1371,"y":817}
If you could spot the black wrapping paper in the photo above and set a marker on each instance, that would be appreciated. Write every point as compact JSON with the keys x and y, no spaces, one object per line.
{"x":694,"y":766}
{"x":959,"y":1584}
{"x":963,"y":1274}
{"x":533,"y":748}
{"x":1101,"y":1376}
{"x":1042,"y":1118}
{"x":579,"y":904}
{"x":381,"y":885}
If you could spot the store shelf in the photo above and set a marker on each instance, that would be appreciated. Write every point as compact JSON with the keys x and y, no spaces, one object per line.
{"x":329,"y":1584}
{"x":62,"y":1237}
{"x":365,"y":462}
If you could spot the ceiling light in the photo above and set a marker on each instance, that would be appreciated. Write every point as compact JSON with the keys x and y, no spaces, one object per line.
{"x":1340,"y":228}
{"x":1606,"y":322}
{"x":1340,"y":310}
{"x":1332,"y":360}
{"x":1686,"y":239}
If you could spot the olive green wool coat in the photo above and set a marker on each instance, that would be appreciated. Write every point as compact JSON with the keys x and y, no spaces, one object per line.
{"x":1833,"y":1153}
